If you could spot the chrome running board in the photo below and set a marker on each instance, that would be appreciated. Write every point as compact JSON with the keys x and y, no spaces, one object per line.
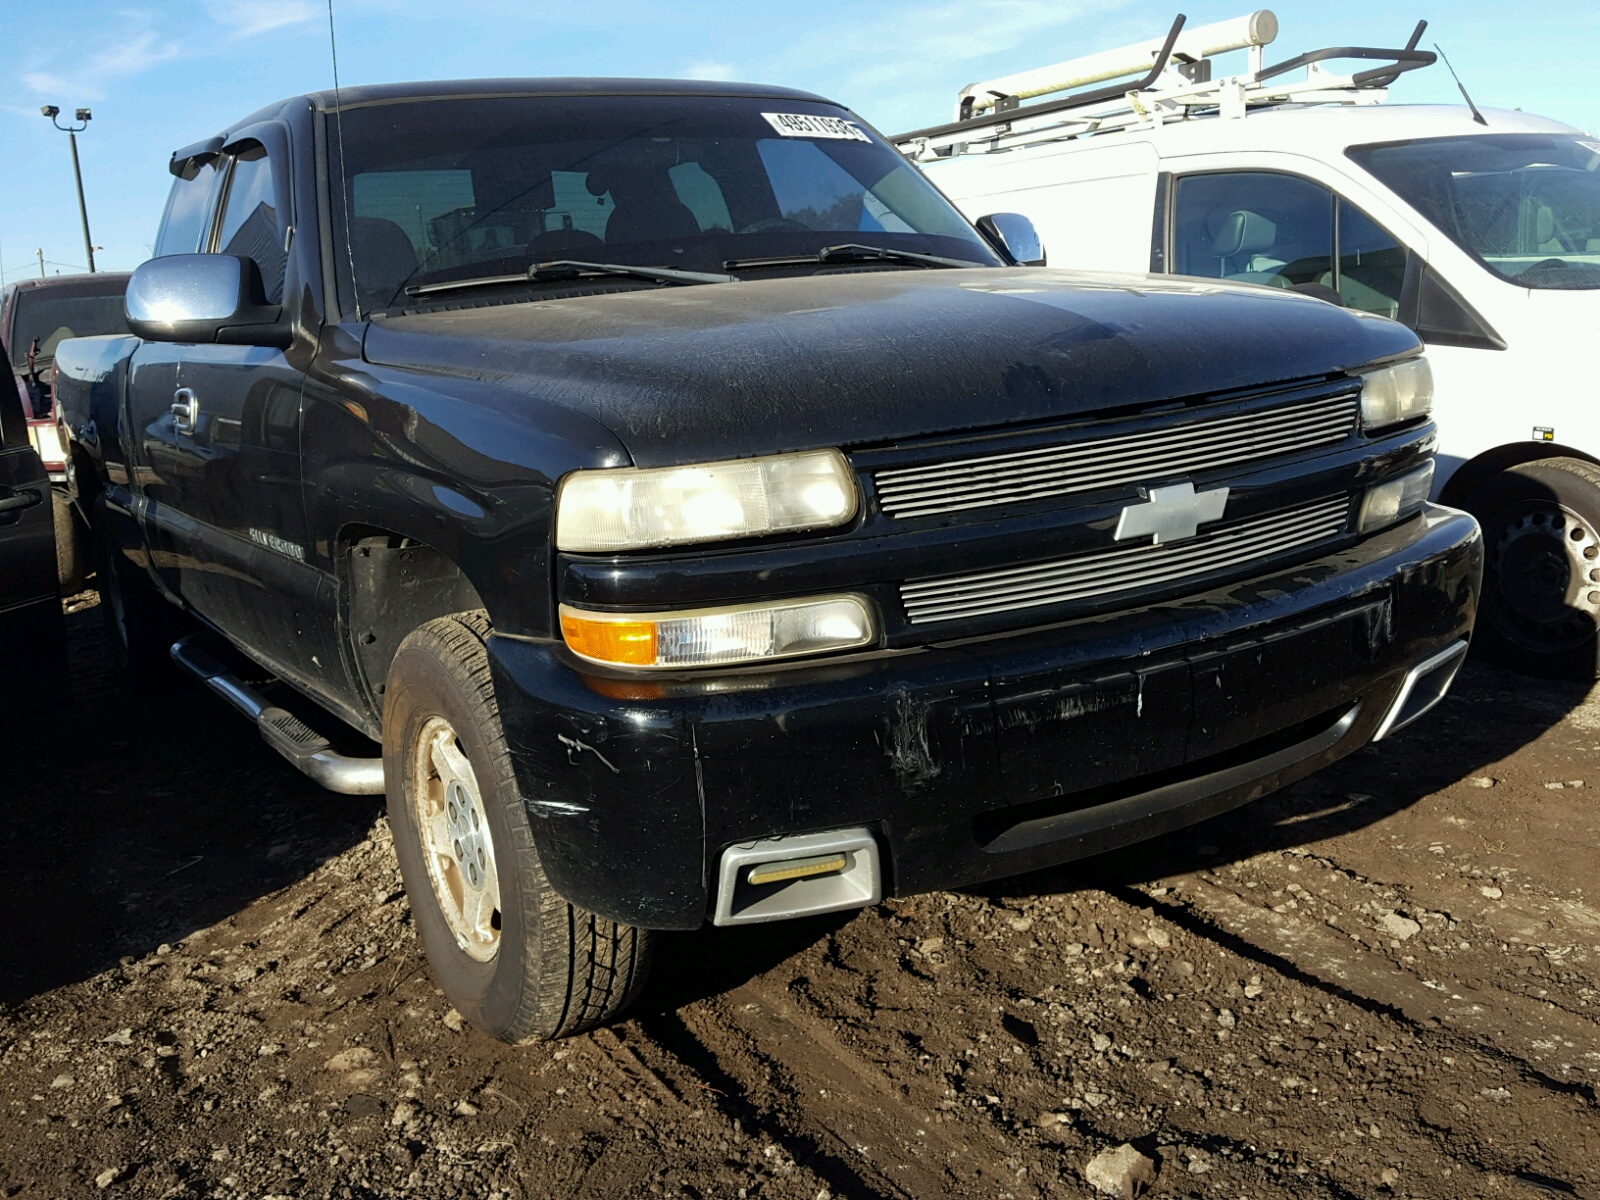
{"x":308,"y":750}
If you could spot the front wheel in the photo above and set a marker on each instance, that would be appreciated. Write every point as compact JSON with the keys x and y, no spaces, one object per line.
{"x":513,"y":957}
{"x":1541,"y":588}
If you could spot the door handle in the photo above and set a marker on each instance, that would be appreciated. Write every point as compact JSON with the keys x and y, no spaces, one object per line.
{"x":14,"y":501}
{"x":185,"y":411}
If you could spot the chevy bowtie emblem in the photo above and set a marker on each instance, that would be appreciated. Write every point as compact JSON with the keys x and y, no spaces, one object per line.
{"x":1171,"y":514}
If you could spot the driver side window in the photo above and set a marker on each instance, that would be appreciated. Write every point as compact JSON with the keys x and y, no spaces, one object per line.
{"x":251,"y":227}
{"x":1287,"y":232}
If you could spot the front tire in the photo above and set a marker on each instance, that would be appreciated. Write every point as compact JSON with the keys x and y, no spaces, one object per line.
{"x":511,"y":955}
{"x":1540,"y":612}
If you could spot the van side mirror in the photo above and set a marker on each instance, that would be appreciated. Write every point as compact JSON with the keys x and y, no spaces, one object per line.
{"x":203,"y":298}
{"x":1014,"y":236}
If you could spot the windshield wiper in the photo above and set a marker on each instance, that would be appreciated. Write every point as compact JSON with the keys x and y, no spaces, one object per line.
{"x":569,"y":268}
{"x":850,"y":252}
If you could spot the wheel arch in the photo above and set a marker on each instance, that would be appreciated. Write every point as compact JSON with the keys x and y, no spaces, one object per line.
{"x":391,"y":583}
{"x":1475,"y":472}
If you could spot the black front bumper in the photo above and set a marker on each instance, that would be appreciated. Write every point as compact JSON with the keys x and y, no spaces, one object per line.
{"x":985,"y":758}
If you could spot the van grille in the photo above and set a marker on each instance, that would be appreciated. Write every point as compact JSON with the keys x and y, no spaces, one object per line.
{"x":1144,"y":457}
{"x":1122,"y":568}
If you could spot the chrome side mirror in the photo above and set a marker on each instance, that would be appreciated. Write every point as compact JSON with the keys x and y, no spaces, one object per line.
{"x":203,"y":298}
{"x":1014,"y":236}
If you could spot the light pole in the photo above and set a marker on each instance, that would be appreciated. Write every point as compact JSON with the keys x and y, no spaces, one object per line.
{"x":82,"y":116}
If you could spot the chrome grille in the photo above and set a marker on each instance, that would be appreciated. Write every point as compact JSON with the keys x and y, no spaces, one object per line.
{"x":1143,"y":457}
{"x":1121,"y":568}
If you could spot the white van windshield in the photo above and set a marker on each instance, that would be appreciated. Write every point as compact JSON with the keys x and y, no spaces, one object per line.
{"x":1527,"y":206}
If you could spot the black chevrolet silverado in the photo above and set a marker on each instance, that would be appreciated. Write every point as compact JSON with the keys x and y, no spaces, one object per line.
{"x":710,"y":523}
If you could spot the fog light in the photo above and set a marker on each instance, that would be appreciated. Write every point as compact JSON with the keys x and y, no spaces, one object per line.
{"x":719,"y":636}
{"x":1395,"y":499}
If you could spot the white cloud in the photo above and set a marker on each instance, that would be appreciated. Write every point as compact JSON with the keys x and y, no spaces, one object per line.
{"x":246,"y":18}
{"x":89,"y":75}
{"x":709,"y":68}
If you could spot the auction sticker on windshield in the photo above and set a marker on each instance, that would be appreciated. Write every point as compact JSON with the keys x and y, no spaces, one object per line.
{"x":805,"y":126}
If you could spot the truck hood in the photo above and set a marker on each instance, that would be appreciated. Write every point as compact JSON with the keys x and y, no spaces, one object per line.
{"x":685,"y":374}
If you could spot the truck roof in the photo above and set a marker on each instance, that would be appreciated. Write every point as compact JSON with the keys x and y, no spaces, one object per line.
{"x":97,"y":283}
{"x":379,"y":93}
{"x":447,"y":89}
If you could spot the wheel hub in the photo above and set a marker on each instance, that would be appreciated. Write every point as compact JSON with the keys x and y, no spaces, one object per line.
{"x":456,"y":843}
{"x":1545,"y":578}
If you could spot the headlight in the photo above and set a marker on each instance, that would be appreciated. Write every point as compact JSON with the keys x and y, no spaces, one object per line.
{"x":719,"y":636}
{"x":1395,"y":499}
{"x":632,"y":508}
{"x":1396,"y":393}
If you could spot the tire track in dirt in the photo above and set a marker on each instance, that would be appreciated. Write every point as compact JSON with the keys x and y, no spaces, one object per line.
{"x":1330,"y":963}
{"x":753,"y":1088}
{"x":1533,"y":1031}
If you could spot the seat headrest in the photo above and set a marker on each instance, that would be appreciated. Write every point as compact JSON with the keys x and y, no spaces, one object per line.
{"x":1240,"y":232}
{"x":384,"y":258}
{"x":1544,"y":225}
{"x":629,"y":179}
{"x":378,"y":239}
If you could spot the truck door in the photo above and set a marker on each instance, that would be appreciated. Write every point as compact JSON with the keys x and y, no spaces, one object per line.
{"x":156,"y":451}
{"x":33,"y":647}
{"x":239,"y":409}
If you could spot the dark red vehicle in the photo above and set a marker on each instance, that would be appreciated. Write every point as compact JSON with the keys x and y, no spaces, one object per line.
{"x":35,"y":316}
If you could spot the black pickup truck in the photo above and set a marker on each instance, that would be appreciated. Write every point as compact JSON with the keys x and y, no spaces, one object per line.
{"x":711,"y":523}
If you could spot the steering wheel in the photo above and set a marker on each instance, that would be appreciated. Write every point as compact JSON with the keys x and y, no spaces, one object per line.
{"x":1548,"y":262}
{"x":775,"y":225}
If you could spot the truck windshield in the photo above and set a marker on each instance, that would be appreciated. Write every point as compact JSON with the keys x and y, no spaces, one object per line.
{"x":53,"y":319}
{"x":1527,"y":206}
{"x":465,"y":188}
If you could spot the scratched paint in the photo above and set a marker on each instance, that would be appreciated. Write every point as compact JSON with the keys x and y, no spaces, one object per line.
{"x":908,"y":748}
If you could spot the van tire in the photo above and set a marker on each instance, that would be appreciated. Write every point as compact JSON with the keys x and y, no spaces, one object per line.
{"x":539,"y":967}
{"x":1540,"y":612}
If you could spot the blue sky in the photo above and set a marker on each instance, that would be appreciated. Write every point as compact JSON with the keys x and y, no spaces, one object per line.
{"x":163,"y":75}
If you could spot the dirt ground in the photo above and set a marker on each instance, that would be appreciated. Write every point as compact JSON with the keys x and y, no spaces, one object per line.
{"x":1381,"y":982}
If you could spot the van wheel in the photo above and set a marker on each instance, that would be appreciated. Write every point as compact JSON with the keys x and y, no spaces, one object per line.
{"x":142,"y":625}
{"x":1541,"y":586}
{"x":72,"y":550}
{"x":513,"y":957}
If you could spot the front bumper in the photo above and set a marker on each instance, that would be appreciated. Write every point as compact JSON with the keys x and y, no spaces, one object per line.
{"x":985,"y":758}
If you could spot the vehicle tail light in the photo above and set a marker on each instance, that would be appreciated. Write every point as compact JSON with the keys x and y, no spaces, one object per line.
{"x":45,"y":436}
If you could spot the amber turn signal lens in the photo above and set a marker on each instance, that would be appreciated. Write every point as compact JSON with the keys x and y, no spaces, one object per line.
{"x":627,"y":643}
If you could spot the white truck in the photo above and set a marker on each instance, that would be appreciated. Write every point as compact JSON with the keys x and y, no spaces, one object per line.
{"x":1479,"y":230}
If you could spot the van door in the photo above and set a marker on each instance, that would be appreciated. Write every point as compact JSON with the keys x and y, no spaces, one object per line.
{"x":1284,"y":231}
{"x":1298,"y":222}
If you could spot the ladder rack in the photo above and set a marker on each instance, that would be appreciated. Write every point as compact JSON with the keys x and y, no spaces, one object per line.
{"x":1176,"y":86}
